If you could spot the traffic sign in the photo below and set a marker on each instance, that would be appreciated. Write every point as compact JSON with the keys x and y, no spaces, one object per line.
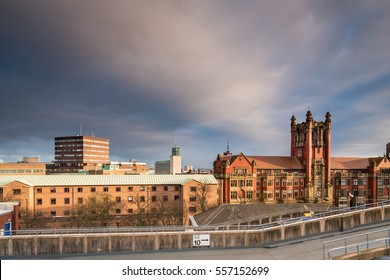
{"x":201,"y":240}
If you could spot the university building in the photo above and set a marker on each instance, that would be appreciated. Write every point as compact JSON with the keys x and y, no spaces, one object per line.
{"x":58,"y":197}
{"x":310,"y":174}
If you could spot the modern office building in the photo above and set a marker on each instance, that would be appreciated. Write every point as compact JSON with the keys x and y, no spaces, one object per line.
{"x":162,"y":167}
{"x":79,"y":153}
{"x":58,"y":197}
{"x":309,"y":174}
{"x":175,"y":161}
{"x":171,"y":166}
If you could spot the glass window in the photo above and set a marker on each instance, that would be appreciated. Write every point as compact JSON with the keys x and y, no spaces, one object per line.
{"x":17,"y":191}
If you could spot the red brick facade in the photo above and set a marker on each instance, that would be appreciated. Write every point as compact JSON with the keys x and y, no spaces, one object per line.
{"x":9,"y":213}
{"x":309,"y":174}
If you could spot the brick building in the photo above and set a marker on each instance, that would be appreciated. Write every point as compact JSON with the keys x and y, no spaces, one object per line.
{"x":79,"y":153}
{"x":9,"y":217}
{"x":309,"y":174}
{"x":58,"y":196}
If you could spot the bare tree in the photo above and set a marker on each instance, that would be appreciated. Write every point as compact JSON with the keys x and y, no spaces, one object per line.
{"x":98,"y":210}
{"x":168,"y":213}
{"x":202,"y":198}
{"x":30,"y":220}
{"x":142,"y":217}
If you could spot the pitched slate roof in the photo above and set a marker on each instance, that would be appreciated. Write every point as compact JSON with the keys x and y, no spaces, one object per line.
{"x":277,"y":162}
{"x":100,"y":180}
{"x":349,"y":163}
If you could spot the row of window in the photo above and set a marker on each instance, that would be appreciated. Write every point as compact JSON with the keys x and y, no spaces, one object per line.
{"x":80,"y":200}
{"x":13,"y":171}
{"x":354,"y":181}
{"x":117,"y":211}
{"x":241,"y":183}
{"x":106,"y":189}
{"x":269,"y":194}
{"x":354,"y":193}
{"x":285,"y":183}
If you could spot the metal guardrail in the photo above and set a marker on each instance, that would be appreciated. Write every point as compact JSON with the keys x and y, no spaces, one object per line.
{"x":314,"y":216}
{"x":360,"y":247}
{"x":218,"y":227}
{"x":356,"y":243}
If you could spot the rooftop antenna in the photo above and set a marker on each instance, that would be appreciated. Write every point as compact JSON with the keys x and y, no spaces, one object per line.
{"x":81,"y":130}
{"x":227,"y":153}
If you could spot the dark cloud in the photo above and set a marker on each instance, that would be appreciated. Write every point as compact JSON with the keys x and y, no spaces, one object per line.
{"x":148,"y":73}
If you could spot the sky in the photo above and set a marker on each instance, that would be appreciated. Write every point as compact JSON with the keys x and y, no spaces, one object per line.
{"x":149,"y":75}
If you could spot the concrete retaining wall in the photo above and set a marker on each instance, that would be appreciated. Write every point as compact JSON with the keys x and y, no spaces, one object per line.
{"x":131,"y":242}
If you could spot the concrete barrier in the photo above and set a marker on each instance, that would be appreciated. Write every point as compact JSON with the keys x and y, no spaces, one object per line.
{"x":132,"y":242}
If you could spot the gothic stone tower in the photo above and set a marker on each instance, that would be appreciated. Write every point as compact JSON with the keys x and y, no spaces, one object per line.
{"x":310,"y":142}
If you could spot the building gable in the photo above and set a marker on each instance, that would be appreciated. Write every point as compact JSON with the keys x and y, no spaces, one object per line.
{"x":384,"y":163}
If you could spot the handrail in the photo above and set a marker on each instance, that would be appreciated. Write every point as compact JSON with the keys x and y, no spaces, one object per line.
{"x":357,"y":248}
{"x":385,"y":234}
{"x":317,"y":215}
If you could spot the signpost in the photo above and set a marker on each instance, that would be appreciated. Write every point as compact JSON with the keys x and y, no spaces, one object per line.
{"x":199,"y":240}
